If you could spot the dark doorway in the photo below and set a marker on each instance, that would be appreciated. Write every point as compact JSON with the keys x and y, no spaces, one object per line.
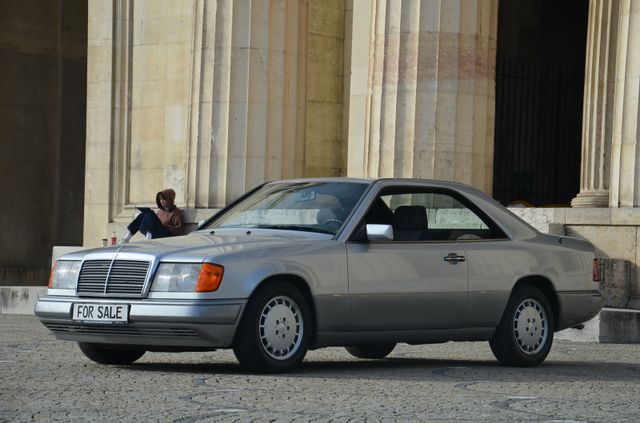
{"x":539,"y":93}
{"x":43,"y":87}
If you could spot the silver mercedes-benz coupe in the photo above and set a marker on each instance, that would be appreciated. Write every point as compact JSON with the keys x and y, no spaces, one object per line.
{"x":309,"y":263}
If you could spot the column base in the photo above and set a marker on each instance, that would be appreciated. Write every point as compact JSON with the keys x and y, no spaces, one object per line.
{"x":599,"y":198}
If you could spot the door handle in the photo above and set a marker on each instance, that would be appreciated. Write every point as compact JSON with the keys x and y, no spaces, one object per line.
{"x":453,"y":258}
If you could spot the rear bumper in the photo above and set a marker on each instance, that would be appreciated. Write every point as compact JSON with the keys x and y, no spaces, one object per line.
{"x":151,"y":323}
{"x":578,"y":307}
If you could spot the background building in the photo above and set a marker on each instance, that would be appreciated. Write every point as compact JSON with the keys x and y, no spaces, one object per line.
{"x":532,"y":101}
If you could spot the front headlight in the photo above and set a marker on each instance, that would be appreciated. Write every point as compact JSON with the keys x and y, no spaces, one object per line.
{"x":187,"y":277}
{"x":64,"y":274}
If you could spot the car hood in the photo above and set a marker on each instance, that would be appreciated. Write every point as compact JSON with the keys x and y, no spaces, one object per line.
{"x":199,"y":245}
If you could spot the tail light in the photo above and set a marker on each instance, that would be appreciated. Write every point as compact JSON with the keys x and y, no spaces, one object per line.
{"x":595,"y":270}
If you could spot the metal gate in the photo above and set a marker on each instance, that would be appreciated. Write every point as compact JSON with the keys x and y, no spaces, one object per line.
{"x":537,"y":133}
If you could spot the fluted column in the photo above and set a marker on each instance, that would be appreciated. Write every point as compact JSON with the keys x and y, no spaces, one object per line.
{"x":248,"y":114}
{"x":427,"y":110}
{"x":625,"y":156}
{"x":599,"y":89}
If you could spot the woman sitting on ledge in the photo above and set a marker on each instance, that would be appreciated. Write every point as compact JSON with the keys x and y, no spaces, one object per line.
{"x":167,"y":221}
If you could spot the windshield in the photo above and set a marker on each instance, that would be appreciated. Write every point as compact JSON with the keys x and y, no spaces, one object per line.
{"x":313,"y":206}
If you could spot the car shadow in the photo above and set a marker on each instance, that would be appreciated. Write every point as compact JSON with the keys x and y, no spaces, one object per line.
{"x":400,"y":368}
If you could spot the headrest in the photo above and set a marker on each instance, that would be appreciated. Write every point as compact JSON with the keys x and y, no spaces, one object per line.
{"x":410,"y":218}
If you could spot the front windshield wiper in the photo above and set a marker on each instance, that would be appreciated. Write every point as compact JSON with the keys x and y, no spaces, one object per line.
{"x":296,"y":228}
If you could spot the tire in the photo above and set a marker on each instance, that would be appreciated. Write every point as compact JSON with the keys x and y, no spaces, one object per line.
{"x":525,"y":334}
{"x":275,"y":331}
{"x":105,"y":355}
{"x":372,"y":351}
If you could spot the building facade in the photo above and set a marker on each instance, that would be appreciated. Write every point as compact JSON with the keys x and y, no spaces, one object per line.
{"x":212,"y":97}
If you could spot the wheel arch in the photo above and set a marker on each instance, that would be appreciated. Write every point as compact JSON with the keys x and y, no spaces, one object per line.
{"x":546,"y":286}
{"x":301,"y":285}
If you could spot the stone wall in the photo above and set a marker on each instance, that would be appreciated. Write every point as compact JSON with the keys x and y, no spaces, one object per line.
{"x":210,"y":99}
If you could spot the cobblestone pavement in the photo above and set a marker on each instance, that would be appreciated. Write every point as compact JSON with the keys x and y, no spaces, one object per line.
{"x":42,"y":379}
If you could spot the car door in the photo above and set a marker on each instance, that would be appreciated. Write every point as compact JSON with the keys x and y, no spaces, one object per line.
{"x":416,"y":281}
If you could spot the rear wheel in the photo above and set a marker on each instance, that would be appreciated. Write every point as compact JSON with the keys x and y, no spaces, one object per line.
{"x":108,"y":355}
{"x":373,"y":351}
{"x":525,"y":334}
{"x":275,"y":330}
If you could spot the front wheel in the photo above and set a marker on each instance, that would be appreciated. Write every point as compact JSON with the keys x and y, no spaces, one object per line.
{"x":372,"y":351}
{"x":105,"y":355}
{"x":275,"y":330}
{"x":525,"y":334}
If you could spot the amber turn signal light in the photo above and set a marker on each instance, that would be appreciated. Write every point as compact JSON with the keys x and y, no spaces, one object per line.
{"x":210,"y":277}
{"x":53,"y":269}
{"x":595,"y":270}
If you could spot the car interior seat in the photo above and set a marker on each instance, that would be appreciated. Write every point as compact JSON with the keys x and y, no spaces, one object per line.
{"x":410,"y":223}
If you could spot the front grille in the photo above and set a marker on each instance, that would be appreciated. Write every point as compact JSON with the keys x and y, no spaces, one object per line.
{"x":122,"y":330}
{"x":120,"y":277}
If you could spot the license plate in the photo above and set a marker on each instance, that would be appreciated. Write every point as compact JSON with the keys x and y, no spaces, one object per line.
{"x":101,"y":313}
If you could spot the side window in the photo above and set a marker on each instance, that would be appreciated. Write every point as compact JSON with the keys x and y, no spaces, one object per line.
{"x":430,"y":216}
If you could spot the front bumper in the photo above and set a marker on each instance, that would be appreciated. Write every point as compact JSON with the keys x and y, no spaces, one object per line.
{"x":152,"y":323}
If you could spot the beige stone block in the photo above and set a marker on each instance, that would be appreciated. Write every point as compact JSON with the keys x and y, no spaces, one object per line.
{"x":357,"y":116}
{"x":256,"y":130}
{"x":258,"y":74}
{"x":174,"y":177}
{"x":180,"y":8}
{"x":149,"y":31}
{"x":348,"y":26}
{"x":559,"y":215}
{"x":327,"y":20}
{"x":150,"y":8}
{"x":240,"y":70}
{"x":322,"y":83}
{"x":278,"y":78}
{"x":322,"y":120}
{"x":178,"y":60}
{"x":144,"y":184}
{"x":96,"y":188}
{"x":98,"y":94}
{"x":611,"y":241}
{"x":149,"y":62}
{"x":97,"y":157}
{"x":98,"y":125}
{"x":99,"y":8}
{"x":147,"y":93}
{"x":325,"y":50}
{"x":625,"y":216}
{"x":176,"y":118}
{"x":147,"y":124}
{"x":537,"y":217}
{"x":100,"y":32}
{"x":179,"y":29}
{"x":238,"y":118}
{"x":588,"y":216}
{"x":99,"y":64}
{"x":242,"y":28}
{"x":177,"y":91}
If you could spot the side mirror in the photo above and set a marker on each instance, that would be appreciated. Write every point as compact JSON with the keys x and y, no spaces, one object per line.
{"x":379,"y":232}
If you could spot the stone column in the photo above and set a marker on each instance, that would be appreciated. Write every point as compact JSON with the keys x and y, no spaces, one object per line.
{"x":206,"y":97}
{"x":247,"y":97}
{"x":107,"y":94}
{"x":599,"y":89}
{"x":427,"y":109}
{"x":625,"y":155}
